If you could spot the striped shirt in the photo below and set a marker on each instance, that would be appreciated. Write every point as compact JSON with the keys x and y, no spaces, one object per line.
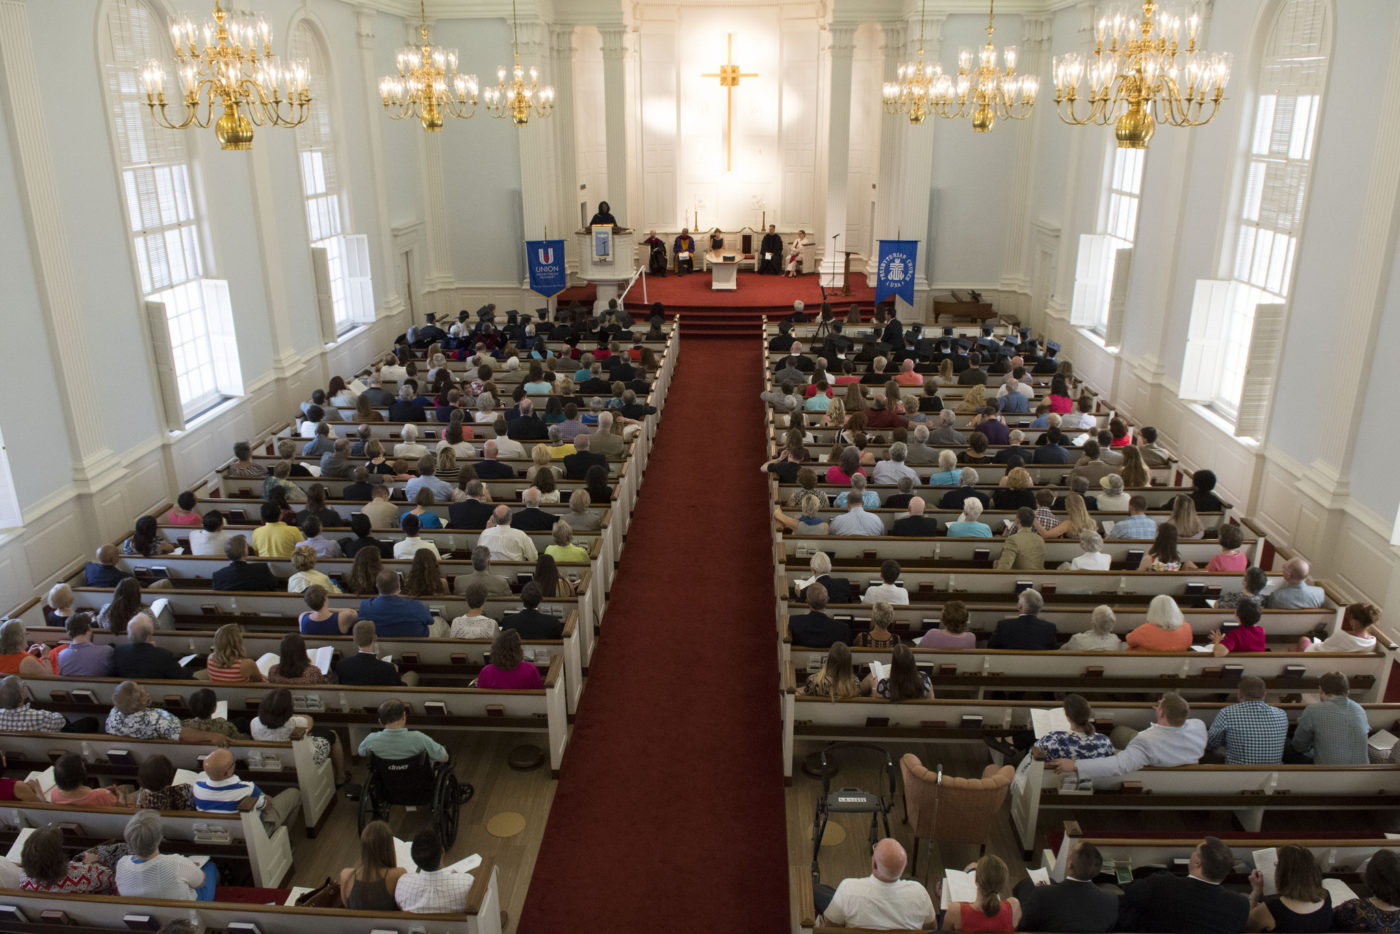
{"x":225,"y":794}
{"x":225,"y":674}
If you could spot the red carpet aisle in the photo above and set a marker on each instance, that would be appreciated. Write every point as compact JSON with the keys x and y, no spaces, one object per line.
{"x":669,"y":813}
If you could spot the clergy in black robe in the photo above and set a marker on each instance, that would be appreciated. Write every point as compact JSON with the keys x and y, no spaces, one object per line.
{"x":656,"y":262}
{"x":604,"y":215}
{"x":684,"y":250}
{"x":770,"y":253}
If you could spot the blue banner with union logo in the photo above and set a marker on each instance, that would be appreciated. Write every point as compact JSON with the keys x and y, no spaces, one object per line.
{"x":545,"y":260}
{"x":895,"y":275}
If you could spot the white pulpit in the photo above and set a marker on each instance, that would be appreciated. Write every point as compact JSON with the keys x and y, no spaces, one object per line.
{"x":608,"y":275}
{"x":724,"y":271}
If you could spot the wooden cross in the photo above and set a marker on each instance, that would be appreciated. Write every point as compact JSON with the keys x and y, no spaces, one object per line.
{"x":729,"y":75}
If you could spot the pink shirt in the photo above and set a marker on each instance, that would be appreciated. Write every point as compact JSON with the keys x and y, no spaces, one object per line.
{"x":92,"y":798}
{"x":835,"y":474}
{"x":1244,"y":639}
{"x":942,"y":639}
{"x":522,"y":677}
{"x":188,"y":518}
{"x":1223,"y":562}
{"x":1061,"y":404}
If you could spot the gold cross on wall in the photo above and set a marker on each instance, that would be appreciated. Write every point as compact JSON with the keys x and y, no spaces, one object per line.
{"x":729,"y":75}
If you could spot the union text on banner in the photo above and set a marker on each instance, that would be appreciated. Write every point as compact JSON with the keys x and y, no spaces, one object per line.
{"x":896,"y":271}
{"x":545,"y":260}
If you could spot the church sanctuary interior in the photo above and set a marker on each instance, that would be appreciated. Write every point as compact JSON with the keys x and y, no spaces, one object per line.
{"x":785,"y":466}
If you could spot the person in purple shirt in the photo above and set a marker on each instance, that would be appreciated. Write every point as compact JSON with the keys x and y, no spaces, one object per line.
{"x":83,"y":658}
{"x":993,"y":427}
{"x":509,"y":671}
{"x":392,"y":614}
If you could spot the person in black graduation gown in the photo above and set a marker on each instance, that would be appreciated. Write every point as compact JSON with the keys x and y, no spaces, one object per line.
{"x":604,"y":215}
{"x":656,"y":262}
{"x":770,"y":253}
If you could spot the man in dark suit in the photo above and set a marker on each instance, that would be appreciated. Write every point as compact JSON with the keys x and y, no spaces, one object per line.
{"x":1082,"y":487}
{"x":104,"y":571}
{"x":1194,"y":903}
{"x":1048,"y":364}
{"x":814,"y":629}
{"x":489,"y":468}
{"x":429,"y":333}
{"x":974,"y":374}
{"x":916,"y":524}
{"x":1053,"y":450}
{"x":240,"y":575}
{"x":796,"y":360}
{"x":359,"y":489}
{"x":530,"y":622}
{"x":1027,"y":632}
{"x":365,"y":667}
{"x":620,"y":369}
{"x":361,"y":526}
{"x":529,"y":426}
{"x":1015,"y":449}
{"x":597,"y":383}
{"x":532,"y":518}
{"x":140,"y":659}
{"x":392,"y":614}
{"x":472,"y":512}
{"x":784,"y":340}
{"x":1076,"y":904}
{"x":576,"y":465}
{"x":404,"y":409}
{"x":953,"y":499}
{"x":893,"y":334}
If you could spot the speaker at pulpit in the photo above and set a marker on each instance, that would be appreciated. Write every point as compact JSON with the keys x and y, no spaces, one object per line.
{"x":606,"y":257}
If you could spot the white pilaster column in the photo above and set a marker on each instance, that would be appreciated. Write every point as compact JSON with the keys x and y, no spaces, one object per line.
{"x":538,"y":163}
{"x":433,"y":180}
{"x":277,"y":247}
{"x":892,"y":129}
{"x":838,"y":158}
{"x":1058,"y":306}
{"x":389,"y":299}
{"x":615,"y":104}
{"x":1015,"y":276}
{"x":55,"y":273}
{"x":916,"y":188}
{"x":561,"y":50}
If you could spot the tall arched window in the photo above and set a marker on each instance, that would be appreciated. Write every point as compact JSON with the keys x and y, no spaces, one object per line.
{"x":1104,"y":260}
{"x":341,"y":259}
{"x":191,"y":321}
{"x":1236,"y":324}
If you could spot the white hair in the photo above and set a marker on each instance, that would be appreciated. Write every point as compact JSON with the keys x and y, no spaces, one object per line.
{"x":972,"y":509}
{"x":947,"y":460}
{"x":968,"y":477}
{"x":821,"y":564}
{"x":921,"y":434}
{"x":1030,"y":601}
{"x":798,"y":305}
{"x":409,"y":433}
{"x":1103,"y":619}
{"x":1164,"y":612}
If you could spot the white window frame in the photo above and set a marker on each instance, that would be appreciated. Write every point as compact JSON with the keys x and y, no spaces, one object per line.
{"x":192,"y":336}
{"x":340,"y":260}
{"x":1105,"y":258}
{"x":11,"y":516}
{"x":1260,"y":260}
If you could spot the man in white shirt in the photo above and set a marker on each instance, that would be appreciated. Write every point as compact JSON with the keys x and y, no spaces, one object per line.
{"x":211,"y":539}
{"x":410,"y":448}
{"x":1173,"y":740}
{"x":432,"y":890}
{"x":889,"y":471}
{"x":887,"y":591}
{"x":856,"y":521}
{"x":391,"y":371}
{"x":506,"y":447}
{"x":410,"y":544}
{"x":1013,"y":383}
{"x":506,"y":543}
{"x":1081,"y":418}
{"x":882,"y":900}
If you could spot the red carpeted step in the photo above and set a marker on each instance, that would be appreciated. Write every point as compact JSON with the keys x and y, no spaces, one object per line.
{"x":669,"y":813}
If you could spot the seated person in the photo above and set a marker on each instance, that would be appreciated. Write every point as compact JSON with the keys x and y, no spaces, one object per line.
{"x":221,"y":791}
{"x":203,"y":705}
{"x":47,"y":869}
{"x":71,"y":786}
{"x":396,"y":740}
{"x":1381,"y":911}
{"x":1171,"y":741}
{"x":1248,"y":636}
{"x":132,"y":715}
{"x":149,"y":873}
{"x":951,"y":633}
{"x":276,"y":723}
{"x":371,"y":884}
{"x":530,"y":622}
{"x":1164,"y":630}
{"x":1196,"y":902}
{"x":1300,"y":903}
{"x":81,"y":657}
{"x":392,"y":614}
{"x":320,"y":619}
{"x":154,"y":788}
{"x":836,"y":679}
{"x":903,"y":681}
{"x":229,"y":663}
{"x":432,"y":889}
{"x":1357,"y":632}
{"x":509,"y":669}
{"x":990,"y":912}
{"x":1099,"y":637}
{"x":1080,"y":741}
{"x":881,"y":900}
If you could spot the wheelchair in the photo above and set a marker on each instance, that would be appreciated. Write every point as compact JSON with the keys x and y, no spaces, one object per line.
{"x":415,"y":782}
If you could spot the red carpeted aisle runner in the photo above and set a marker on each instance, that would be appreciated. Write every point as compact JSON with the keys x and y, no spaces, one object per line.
{"x":670,"y":813}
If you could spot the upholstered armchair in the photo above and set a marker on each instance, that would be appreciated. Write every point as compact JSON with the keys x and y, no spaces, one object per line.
{"x":955,"y":810}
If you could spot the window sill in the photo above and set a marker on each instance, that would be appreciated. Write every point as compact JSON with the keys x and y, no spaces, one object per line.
{"x":1224,"y":425}
{"x":211,"y":413}
{"x":353,"y":331}
{"x":1095,"y":338}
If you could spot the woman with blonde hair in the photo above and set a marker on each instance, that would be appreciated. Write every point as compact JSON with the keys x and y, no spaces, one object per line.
{"x":809,"y":522}
{"x":540,"y":460}
{"x":837,"y":678}
{"x":974,"y":401}
{"x":1077,"y":520}
{"x":990,"y":912}
{"x":1164,"y":630}
{"x":229,"y":663}
{"x":879,"y":636}
{"x":304,"y":564}
{"x":835,"y":414}
{"x":446,"y":462}
{"x":60,"y":605}
{"x":1188,"y":524}
{"x":1018,"y":490}
{"x":945,"y":375}
{"x":580,"y":516}
{"x":1134,"y":469}
{"x":564,"y":548}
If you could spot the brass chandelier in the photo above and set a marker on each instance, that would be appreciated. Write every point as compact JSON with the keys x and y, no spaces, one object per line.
{"x":229,"y":73}
{"x":517,"y":99}
{"x":427,"y":85}
{"x":1136,"y":82}
{"x":912,"y":91}
{"x":987,"y":92}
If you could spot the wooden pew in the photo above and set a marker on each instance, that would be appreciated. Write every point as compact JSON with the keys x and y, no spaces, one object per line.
{"x":968,"y":553}
{"x":102,"y":914}
{"x":270,"y":855}
{"x":534,"y":711}
{"x":32,"y":751}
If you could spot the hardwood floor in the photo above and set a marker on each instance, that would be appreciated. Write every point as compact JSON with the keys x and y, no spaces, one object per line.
{"x":479,"y":758}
